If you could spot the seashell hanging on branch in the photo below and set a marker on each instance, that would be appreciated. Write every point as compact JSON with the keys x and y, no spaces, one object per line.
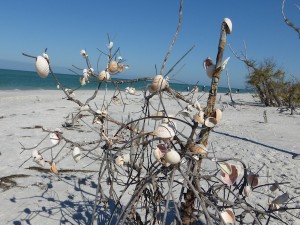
{"x":172,"y":157}
{"x":228,"y":216}
{"x":42,"y":66}
{"x":112,"y":67}
{"x":228,"y":23}
{"x":230,"y":178}
{"x":209,"y":67}
{"x":55,"y":137}
{"x":165,"y":130}
{"x":53,"y":168}
{"x":38,"y":158}
{"x":76,"y":154}
{"x":159,"y":83}
{"x":210,"y":122}
{"x":199,"y":117}
{"x":103,"y":75}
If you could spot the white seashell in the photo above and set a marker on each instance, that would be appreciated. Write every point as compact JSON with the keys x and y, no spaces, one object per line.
{"x":76,"y":154}
{"x":218,"y":115}
{"x":119,"y":160}
{"x":38,"y":158}
{"x":210,"y":122}
{"x":42,"y":66}
{"x":85,"y":74}
{"x":83,"y":53}
{"x":281,"y":199}
{"x":165,"y":130}
{"x":209,"y":66}
{"x":158,"y":83}
{"x":172,"y":157}
{"x":228,"y":216}
{"x":225,"y":167}
{"x":103,"y":75}
{"x":199,"y":117}
{"x":112,"y":67}
{"x":247,"y":190}
{"x":120,"y":58}
{"x":54,"y":138}
{"x":229,"y":25}
{"x":131,"y":90}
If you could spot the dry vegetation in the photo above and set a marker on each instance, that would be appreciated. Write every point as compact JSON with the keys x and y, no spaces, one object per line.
{"x":157,"y":168}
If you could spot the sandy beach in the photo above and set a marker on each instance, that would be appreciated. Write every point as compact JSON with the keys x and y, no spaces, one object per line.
{"x":30,"y":196}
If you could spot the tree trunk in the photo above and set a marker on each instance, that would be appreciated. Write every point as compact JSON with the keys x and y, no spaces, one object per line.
{"x":189,"y":197}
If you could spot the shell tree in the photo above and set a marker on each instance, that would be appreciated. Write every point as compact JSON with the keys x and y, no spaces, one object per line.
{"x":210,"y":111}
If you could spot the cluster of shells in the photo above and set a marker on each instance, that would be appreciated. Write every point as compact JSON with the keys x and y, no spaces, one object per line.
{"x":55,"y":138}
{"x":113,"y":67}
{"x":163,"y":151}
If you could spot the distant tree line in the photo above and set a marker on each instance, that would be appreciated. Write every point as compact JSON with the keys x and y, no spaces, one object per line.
{"x":271,"y":84}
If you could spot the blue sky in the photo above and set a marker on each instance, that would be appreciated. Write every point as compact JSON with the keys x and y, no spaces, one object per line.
{"x":144,"y":29}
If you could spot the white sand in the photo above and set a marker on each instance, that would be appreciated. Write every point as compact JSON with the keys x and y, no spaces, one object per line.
{"x":43,"y":198}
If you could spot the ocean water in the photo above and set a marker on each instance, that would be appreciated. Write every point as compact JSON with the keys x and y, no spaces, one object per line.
{"x":29,"y":80}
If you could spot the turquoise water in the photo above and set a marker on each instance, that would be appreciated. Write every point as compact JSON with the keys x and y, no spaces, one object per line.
{"x":28,"y":80}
